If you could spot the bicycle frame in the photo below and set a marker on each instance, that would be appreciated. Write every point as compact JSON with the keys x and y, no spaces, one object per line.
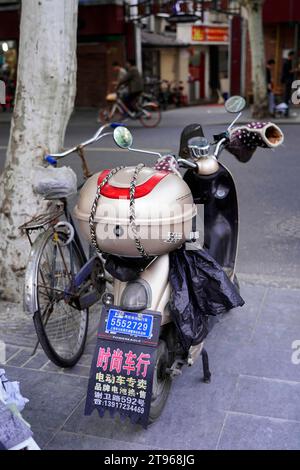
{"x":120,"y":106}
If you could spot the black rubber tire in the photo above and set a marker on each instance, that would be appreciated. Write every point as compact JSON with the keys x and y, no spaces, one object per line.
{"x":164,"y":359}
{"x":41,"y":330}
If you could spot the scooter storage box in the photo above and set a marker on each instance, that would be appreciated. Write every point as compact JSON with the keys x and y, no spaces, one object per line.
{"x":164,"y":210}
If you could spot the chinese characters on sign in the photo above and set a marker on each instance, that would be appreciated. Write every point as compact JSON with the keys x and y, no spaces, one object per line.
{"x":210,"y":34}
{"x":114,"y":361}
{"x":121,"y":374}
{"x":126,"y":390}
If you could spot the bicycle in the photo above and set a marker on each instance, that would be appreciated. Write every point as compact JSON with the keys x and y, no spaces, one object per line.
{"x":148,"y":112}
{"x":61,"y":284}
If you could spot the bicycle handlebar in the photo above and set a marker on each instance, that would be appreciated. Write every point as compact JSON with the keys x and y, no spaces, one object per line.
{"x":51,"y":158}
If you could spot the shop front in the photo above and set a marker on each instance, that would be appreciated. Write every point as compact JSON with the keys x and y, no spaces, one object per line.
{"x":208,"y":60}
{"x":9,"y":33}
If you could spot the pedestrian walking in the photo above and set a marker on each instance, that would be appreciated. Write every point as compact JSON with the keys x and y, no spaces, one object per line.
{"x":287,"y":78}
{"x":270,"y":86}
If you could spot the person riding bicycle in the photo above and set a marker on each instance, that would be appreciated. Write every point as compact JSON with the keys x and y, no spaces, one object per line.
{"x":134,"y":80}
{"x":120,"y":72}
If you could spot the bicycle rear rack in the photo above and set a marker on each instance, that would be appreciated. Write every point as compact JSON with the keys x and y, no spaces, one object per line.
{"x":41,"y":222}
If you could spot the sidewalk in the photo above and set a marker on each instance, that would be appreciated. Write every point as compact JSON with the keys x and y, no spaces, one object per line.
{"x":253,"y":401}
{"x":206,"y":114}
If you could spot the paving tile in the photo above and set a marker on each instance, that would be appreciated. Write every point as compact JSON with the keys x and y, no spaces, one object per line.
{"x":277,"y":336}
{"x":19,"y":359}
{"x":282,"y":306}
{"x":37,"y":361}
{"x":42,"y":436}
{"x":235,"y":326}
{"x":238,"y":324}
{"x":217,"y":394}
{"x":253,"y":296}
{"x":246,"y":432}
{"x":18,"y":339}
{"x":263,"y":360}
{"x":90,"y":346}
{"x":267,"y":397}
{"x":50,"y":367}
{"x":7,"y":351}
{"x":52,"y":396}
{"x":188,"y":425}
{"x":68,"y":441}
{"x":81,"y":371}
{"x":85,"y":360}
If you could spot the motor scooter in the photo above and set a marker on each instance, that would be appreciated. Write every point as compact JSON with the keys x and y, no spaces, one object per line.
{"x":142,"y":264}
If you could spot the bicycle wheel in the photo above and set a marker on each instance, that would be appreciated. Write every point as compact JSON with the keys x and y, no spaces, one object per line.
{"x":61,"y":328}
{"x":151,"y":115}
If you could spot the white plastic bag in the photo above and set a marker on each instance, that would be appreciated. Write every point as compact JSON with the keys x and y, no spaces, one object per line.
{"x":55,"y":183}
{"x":10,"y":392}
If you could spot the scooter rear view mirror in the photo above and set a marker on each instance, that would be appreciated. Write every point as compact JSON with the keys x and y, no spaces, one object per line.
{"x":235,"y":104}
{"x":123,"y":137}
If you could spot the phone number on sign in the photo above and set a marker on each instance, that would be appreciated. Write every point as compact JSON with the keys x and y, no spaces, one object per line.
{"x":123,"y":406}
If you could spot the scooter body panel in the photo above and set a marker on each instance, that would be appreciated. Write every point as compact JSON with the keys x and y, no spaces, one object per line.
{"x":217,"y":192}
{"x":157,"y":277}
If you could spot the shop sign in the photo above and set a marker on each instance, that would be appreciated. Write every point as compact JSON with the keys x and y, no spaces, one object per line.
{"x":121,"y":374}
{"x":210,"y":34}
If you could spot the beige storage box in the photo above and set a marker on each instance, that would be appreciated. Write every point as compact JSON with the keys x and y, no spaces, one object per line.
{"x":164,"y":210}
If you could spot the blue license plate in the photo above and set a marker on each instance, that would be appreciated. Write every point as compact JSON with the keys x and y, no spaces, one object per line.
{"x":129,"y":323}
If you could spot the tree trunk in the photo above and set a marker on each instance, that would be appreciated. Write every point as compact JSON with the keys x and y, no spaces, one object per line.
{"x":44,"y":101}
{"x":257,"y":46}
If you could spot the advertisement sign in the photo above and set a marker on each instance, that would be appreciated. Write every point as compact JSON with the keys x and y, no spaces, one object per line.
{"x":122,"y":369}
{"x":210,"y":34}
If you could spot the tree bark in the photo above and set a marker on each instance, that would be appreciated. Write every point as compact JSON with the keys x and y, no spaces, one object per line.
{"x":45,"y":96}
{"x":257,"y":46}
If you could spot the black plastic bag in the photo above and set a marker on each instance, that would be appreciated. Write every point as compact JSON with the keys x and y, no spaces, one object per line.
{"x":200,"y":288}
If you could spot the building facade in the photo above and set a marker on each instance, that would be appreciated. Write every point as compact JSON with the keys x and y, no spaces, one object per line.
{"x":210,"y":55}
{"x":281,"y":32}
{"x":103,"y":37}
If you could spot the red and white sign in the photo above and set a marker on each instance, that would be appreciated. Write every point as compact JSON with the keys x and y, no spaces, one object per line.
{"x":210,"y":34}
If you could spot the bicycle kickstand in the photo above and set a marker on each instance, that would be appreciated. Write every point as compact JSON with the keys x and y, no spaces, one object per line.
{"x":205,"y":364}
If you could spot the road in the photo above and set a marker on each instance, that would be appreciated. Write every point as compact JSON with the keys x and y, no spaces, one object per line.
{"x":268,"y":186}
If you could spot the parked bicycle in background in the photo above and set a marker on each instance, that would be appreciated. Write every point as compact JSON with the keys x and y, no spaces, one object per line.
{"x":168,"y":94}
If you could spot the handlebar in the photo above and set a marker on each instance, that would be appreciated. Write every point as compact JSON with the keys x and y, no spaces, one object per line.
{"x":190,"y":164}
{"x":219,"y":147}
{"x":51,"y":158}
